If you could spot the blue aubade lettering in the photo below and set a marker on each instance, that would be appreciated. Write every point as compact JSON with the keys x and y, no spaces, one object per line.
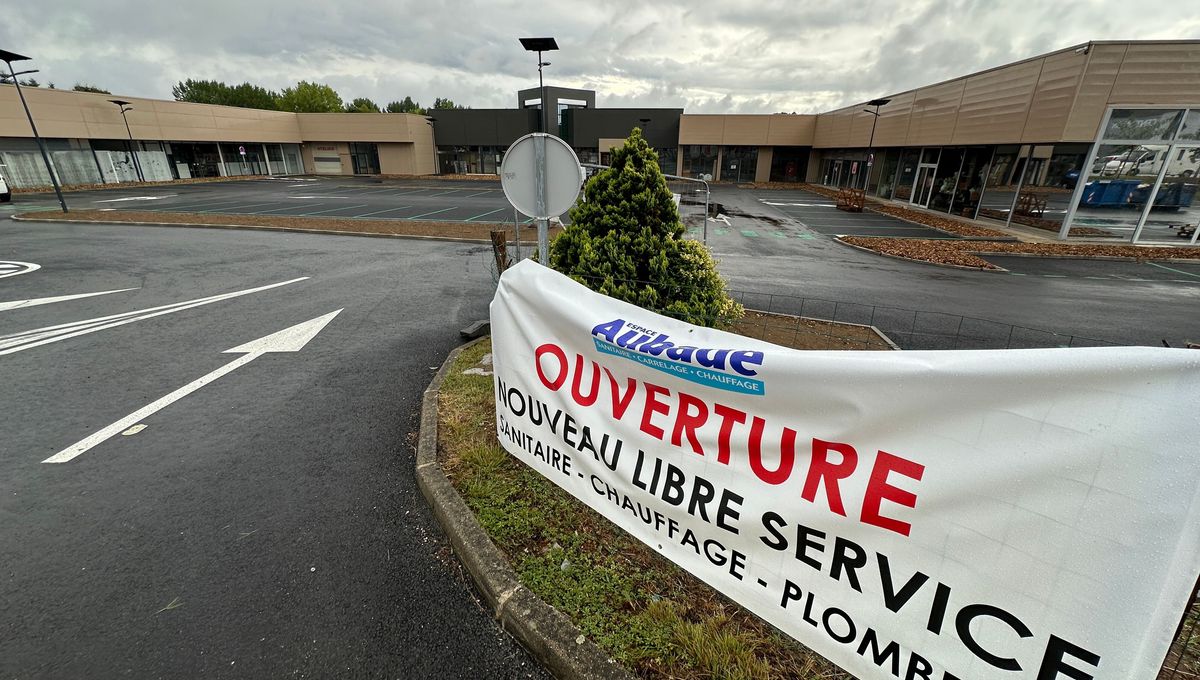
{"x":646,"y":341}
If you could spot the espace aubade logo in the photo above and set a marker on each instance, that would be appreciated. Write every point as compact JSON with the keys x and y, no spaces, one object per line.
{"x":724,"y":369}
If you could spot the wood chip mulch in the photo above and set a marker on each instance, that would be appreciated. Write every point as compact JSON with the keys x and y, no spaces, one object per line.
{"x":457,"y":230}
{"x":967,"y":253}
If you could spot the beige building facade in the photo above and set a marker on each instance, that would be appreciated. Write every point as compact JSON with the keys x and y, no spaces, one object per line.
{"x":1101,"y":135}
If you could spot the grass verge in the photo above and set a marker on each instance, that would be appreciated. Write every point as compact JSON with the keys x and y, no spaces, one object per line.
{"x":651,"y":616}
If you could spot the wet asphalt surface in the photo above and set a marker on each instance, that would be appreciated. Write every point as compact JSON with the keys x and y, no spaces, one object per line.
{"x":269,"y":523}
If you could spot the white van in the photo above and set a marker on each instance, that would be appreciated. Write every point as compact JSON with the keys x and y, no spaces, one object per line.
{"x":1143,"y":161}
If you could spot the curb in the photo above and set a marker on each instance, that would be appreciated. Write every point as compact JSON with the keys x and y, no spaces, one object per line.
{"x":543,"y":630}
{"x":1006,"y":238}
{"x":260,"y":227}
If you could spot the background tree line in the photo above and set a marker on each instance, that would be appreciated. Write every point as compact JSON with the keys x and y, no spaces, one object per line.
{"x":304,"y":97}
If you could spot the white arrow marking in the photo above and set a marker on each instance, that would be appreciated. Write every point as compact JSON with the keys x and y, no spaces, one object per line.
{"x":8,"y":269}
{"x":19,"y":342}
{"x":20,"y":304}
{"x":291,"y":339}
{"x":136,"y":198}
{"x":721,"y":218}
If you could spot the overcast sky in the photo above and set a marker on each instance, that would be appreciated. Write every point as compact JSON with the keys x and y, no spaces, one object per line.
{"x":722,"y":56}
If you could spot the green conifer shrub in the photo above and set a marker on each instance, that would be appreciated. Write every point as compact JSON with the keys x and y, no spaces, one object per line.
{"x":626,"y":240}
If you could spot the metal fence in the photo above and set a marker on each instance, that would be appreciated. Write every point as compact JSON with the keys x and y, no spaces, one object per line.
{"x":916,"y":329}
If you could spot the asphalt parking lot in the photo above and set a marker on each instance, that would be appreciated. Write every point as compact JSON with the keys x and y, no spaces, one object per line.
{"x":353,"y":197}
{"x":819,"y":214}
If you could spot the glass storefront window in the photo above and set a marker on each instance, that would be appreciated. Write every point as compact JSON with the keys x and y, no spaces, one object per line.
{"x":1190,"y":132}
{"x":699,"y":159}
{"x":945,"y":181}
{"x":738,"y":163}
{"x":1175,"y":203}
{"x":1151,"y":125}
{"x":906,"y":174}
{"x":887,"y":162}
{"x":1107,"y":201}
{"x":789,"y":164}
{"x":668,"y":160}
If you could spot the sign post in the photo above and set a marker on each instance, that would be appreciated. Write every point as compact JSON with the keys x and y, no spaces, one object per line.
{"x":541,"y":178}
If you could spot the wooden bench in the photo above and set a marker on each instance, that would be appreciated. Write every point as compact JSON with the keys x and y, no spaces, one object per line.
{"x":851,"y":200}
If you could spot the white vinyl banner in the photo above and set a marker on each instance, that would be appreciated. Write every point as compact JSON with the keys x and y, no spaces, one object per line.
{"x":969,"y":515}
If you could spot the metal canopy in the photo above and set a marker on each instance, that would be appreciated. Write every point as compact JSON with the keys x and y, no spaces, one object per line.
{"x":539,"y":44}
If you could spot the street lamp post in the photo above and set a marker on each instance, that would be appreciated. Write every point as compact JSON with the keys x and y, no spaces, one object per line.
{"x":8,"y":58}
{"x":540,"y":45}
{"x":137,"y":166}
{"x":871,"y":144}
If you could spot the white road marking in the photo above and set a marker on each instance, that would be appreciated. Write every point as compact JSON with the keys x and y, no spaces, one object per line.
{"x":237,"y":207}
{"x":19,"y":304}
{"x":431,"y":213}
{"x":486,"y":191}
{"x":19,"y":342}
{"x":484,"y":214}
{"x":721,"y":218}
{"x":290,"y":207}
{"x":136,"y":198}
{"x":290,"y":339}
{"x":340,"y":207}
{"x":12,"y":268}
{"x":320,"y":196}
{"x":801,"y":205}
{"x":403,"y":207}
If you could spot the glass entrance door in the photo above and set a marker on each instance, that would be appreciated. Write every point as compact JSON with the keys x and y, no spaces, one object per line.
{"x":924,"y":186}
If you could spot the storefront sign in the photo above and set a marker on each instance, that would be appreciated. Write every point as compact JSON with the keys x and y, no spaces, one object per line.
{"x":970,"y":515}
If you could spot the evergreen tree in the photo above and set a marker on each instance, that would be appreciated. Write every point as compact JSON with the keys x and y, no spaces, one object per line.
{"x":406,"y":106}
{"x":362,"y":105}
{"x":626,"y":241}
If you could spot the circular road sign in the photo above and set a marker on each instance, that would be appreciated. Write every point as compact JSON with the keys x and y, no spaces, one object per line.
{"x":519,"y":174}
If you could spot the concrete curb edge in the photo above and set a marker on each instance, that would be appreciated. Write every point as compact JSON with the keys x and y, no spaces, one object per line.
{"x":543,"y":630}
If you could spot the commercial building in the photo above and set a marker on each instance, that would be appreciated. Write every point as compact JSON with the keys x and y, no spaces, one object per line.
{"x":1098,"y":139}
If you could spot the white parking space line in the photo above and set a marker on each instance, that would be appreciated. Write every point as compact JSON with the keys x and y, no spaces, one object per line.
{"x":237,"y":207}
{"x":417,"y":191}
{"x":340,"y":207}
{"x":19,"y":342}
{"x":289,"y":207}
{"x":443,"y":193}
{"x":480,"y":193}
{"x":435,"y":212}
{"x":318,"y":196}
{"x":380,"y":212}
{"x":484,"y":214}
{"x":21,"y":304}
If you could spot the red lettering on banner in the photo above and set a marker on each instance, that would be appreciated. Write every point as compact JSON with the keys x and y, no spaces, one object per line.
{"x":787,"y":453}
{"x":821,"y":469}
{"x":692,"y":414}
{"x":686,"y":423}
{"x":879,"y":490}
{"x":653,"y":405}
{"x":729,"y":416}
{"x":559,"y":354}
{"x":620,"y":402}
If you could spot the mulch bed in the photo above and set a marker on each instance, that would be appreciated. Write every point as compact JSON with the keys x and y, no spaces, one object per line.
{"x":458,"y":230}
{"x":966,"y":253}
